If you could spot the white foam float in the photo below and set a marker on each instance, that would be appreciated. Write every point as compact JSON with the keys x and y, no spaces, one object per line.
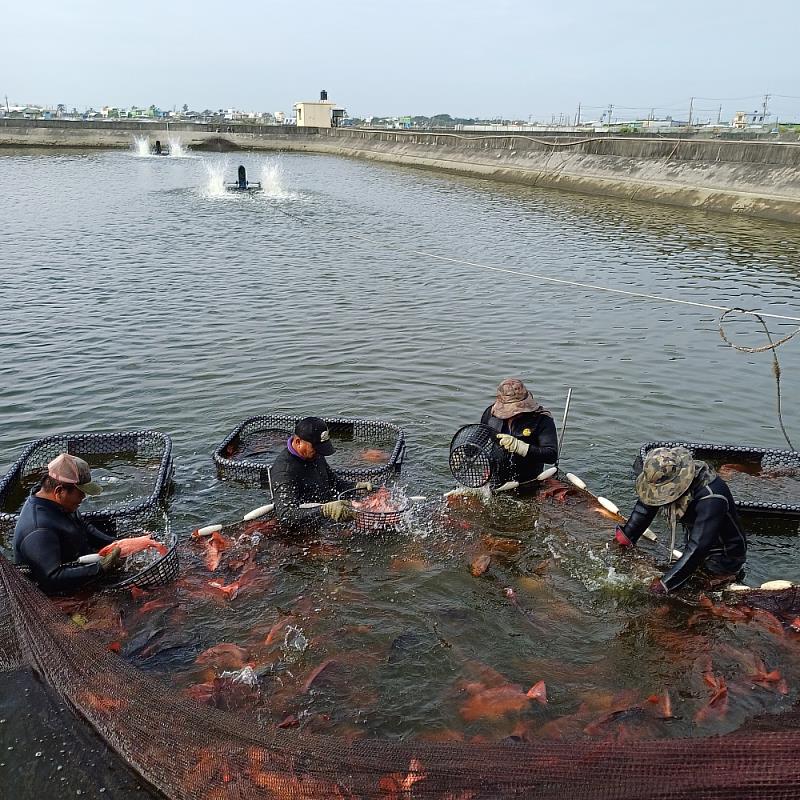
{"x":608,"y":505}
{"x":258,"y":512}
{"x":575,"y":480}
{"x":775,"y":585}
{"x":738,"y":587}
{"x":91,"y":558}
{"x":208,"y":530}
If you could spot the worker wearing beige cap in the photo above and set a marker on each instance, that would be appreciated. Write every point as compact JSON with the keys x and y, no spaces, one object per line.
{"x":51,"y":536}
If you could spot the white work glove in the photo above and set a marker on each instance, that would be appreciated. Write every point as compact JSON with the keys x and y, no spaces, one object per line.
{"x":338,"y":510}
{"x":366,"y":485}
{"x":512,"y":444}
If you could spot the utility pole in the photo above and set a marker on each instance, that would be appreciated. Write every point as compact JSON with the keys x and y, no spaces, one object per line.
{"x":719,"y":115}
{"x":691,"y":107}
{"x":8,"y":110}
{"x":764,"y":106}
{"x":610,"y":110}
{"x":578,"y":116}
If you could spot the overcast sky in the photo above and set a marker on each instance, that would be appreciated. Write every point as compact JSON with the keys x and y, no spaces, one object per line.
{"x":497,"y":58}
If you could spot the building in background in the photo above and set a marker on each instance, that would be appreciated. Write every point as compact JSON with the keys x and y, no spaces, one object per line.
{"x":320,"y":113}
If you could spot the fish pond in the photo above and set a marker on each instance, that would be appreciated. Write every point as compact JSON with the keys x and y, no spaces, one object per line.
{"x":138,"y":294}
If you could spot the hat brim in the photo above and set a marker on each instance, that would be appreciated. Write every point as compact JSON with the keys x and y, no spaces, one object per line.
{"x":325,"y":448}
{"x":661,"y":494}
{"x":91,"y":489}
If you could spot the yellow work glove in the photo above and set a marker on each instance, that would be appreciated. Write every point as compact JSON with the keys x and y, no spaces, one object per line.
{"x":366,"y":485}
{"x":111,"y":560}
{"x":512,"y":444}
{"x":338,"y":510}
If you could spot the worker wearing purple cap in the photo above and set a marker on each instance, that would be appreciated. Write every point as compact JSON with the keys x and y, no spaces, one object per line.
{"x":302,"y":475}
{"x":51,"y":536}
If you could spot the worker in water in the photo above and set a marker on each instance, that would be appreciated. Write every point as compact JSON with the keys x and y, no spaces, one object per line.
{"x":301,"y":474}
{"x":50,"y":535}
{"x":690,"y":492}
{"x":525,"y":430}
{"x":242,"y":177}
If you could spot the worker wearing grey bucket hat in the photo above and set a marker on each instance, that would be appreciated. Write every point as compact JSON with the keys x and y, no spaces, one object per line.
{"x":690,"y":492}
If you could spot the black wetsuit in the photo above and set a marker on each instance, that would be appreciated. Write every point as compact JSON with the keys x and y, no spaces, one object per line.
{"x":49,"y":540}
{"x":297,"y":480}
{"x":714,"y":537}
{"x":539,"y":431}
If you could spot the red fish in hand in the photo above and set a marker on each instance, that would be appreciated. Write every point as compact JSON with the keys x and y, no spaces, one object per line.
{"x":134,"y":544}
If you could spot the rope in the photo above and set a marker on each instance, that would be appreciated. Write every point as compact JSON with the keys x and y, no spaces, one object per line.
{"x":725,"y":310}
{"x":772,"y":346}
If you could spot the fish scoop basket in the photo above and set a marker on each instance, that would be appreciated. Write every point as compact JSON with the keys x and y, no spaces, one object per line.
{"x":367,"y":519}
{"x":151,"y":568}
{"x":476,"y":458}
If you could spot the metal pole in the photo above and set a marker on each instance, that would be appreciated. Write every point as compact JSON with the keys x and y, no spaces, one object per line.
{"x":564,"y":422}
{"x":691,"y":106}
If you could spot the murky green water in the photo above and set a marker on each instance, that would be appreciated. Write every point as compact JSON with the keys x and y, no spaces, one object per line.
{"x":133,"y":295}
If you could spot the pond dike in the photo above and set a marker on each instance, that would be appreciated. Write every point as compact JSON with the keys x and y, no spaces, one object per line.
{"x":753,"y":178}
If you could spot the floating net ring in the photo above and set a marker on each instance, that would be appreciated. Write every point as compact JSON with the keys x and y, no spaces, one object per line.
{"x":369,"y":520}
{"x":475,"y":456}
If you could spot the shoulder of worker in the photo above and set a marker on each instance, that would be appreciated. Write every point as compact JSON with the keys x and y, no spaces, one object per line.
{"x":285,"y":462}
{"x":38,"y":512}
{"x":486,"y":416}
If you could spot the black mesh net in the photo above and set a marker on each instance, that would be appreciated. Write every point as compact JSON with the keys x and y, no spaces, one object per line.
{"x":365,"y":449}
{"x":763,"y":480}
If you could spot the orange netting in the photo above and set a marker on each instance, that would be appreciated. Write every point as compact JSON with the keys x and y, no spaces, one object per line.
{"x":188,"y":751}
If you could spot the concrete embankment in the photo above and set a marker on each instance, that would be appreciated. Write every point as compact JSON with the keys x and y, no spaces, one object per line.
{"x":760,"y":179}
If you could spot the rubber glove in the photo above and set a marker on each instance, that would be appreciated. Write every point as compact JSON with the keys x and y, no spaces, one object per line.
{"x":111,"y":559}
{"x":657,"y":587}
{"x":512,"y":444}
{"x":621,"y":539}
{"x":364,"y":485}
{"x":338,"y":510}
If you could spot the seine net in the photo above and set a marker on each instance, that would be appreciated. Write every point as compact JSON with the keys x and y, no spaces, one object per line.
{"x":191,"y":752}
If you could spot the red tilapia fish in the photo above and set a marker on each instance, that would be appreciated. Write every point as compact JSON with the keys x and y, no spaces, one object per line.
{"x":134,"y":544}
{"x":381,"y":501}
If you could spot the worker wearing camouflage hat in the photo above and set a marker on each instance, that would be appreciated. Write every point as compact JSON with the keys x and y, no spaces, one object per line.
{"x":691,"y":492}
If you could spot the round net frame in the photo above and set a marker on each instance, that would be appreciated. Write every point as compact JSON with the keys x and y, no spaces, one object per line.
{"x":254,"y":470}
{"x":142,"y":443}
{"x":475,"y":456}
{"x":766,"y":458}
{"x":368,"y":520}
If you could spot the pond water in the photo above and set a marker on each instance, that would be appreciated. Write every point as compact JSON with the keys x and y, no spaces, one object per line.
{"x":137,"y":293}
